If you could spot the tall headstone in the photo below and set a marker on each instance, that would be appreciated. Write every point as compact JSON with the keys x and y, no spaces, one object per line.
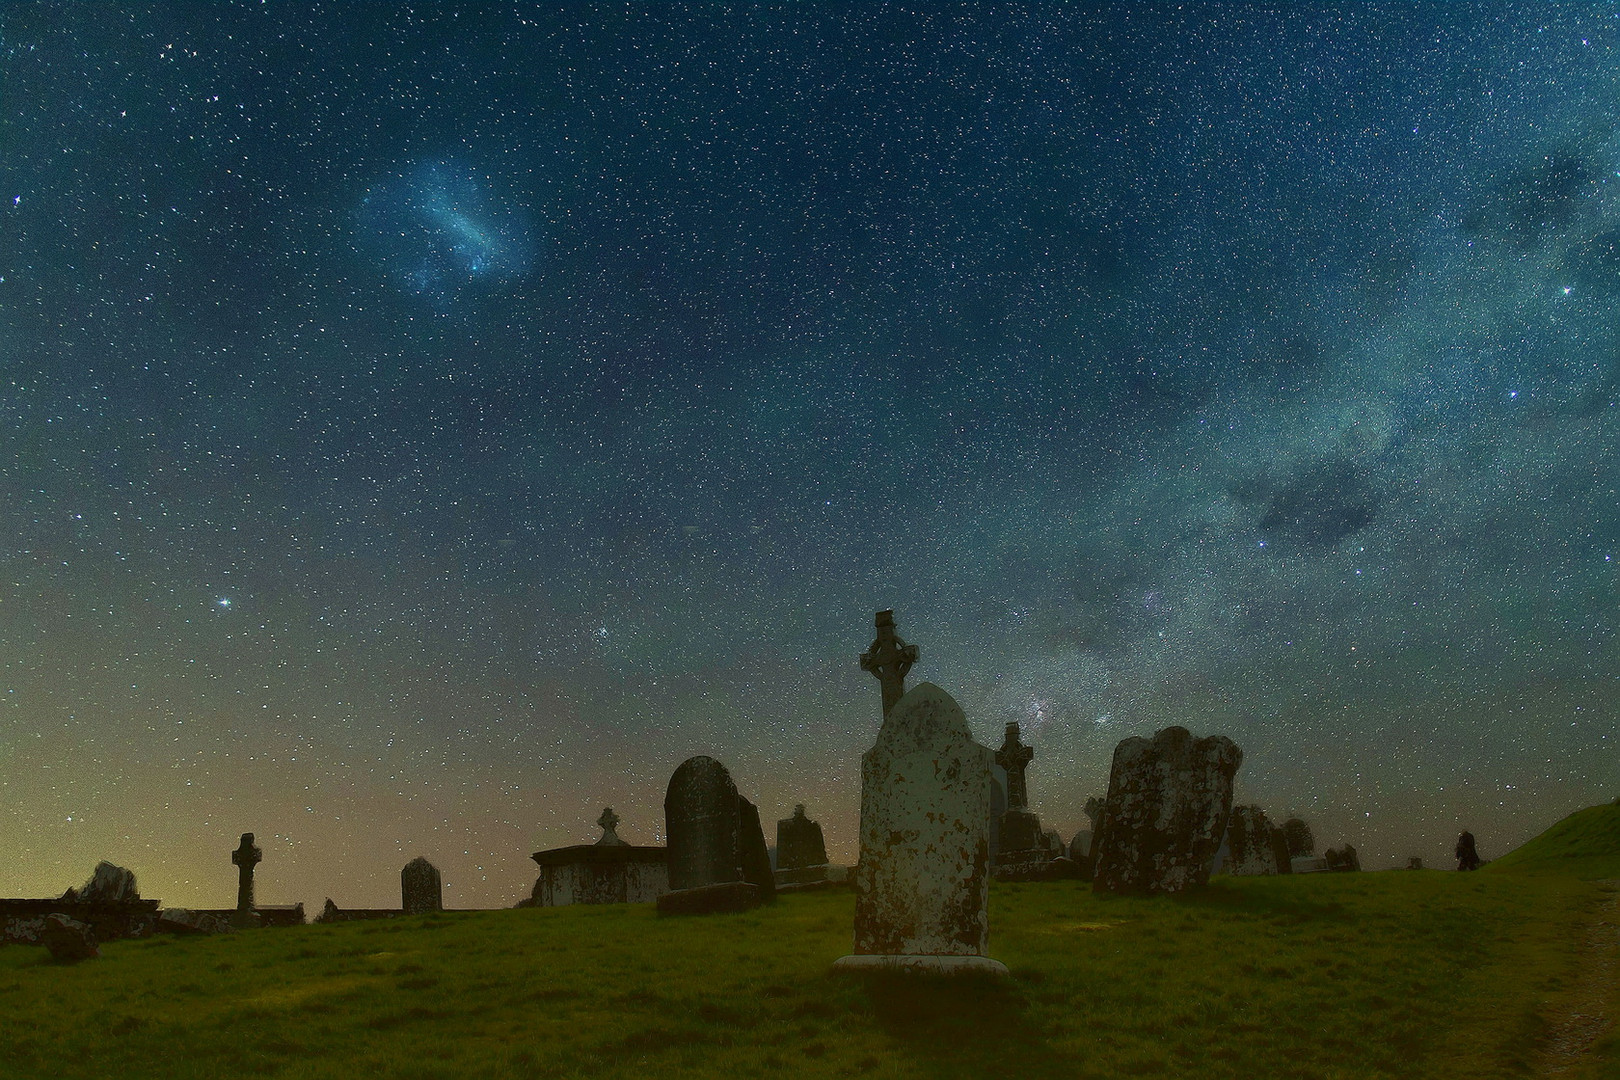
{"x":717,"y":855}
{"x":922,"y":885}
{"x":420,"y":888}
{"x":1251,"y":849}
{"x":1165,"y":816}
{"x":1023,"y":850}
{"x":801,"y":851}
{"x":246,"y":856}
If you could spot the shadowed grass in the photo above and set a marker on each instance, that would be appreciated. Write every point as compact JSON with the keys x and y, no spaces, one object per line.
{"x":1398,"y":974}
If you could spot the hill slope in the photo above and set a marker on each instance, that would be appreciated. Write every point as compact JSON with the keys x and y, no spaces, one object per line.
{"x":1585,"y":844}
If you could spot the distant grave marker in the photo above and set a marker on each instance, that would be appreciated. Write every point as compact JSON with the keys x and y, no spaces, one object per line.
{"x":246,"y":856}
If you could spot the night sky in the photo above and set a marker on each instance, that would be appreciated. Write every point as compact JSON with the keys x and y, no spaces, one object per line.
{"x":426,"y":426}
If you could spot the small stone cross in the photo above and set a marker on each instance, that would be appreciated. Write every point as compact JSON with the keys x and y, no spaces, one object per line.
{"x":608,"y":822}
{"x":246,"y":857}
{"x":889,"y":659}
{"x":1015,"y":757}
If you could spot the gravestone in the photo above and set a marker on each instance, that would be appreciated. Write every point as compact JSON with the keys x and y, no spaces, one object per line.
{"x":1279,"y":852}
{"x":922,"y":884}
{"x":1300,"y":840}
{"x":890,"y":659}
{"x":801,"y":850}
{"x":1250,"y":850}
{"x":1169,"y":798}
{"x":246,"y":857}
{"x":68,"y":940}
{"x":108,"y":884}
{"x":717,"y":856}
{"x":998,"y":806}
{"x":1467,"y":853}
{"x":420,"y":888}
{"x":610,"y":871}
{"x":1414,"y":862}
{"x":1080,"y":846}
{"x":1343,"y":862}
{"x":1023,"y":852}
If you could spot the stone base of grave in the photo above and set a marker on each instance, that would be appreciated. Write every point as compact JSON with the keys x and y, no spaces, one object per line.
{"x":1030,"y":864}
{"x":729,"y":896}
{"x":802,"y":875}
{"x":860,"y":964}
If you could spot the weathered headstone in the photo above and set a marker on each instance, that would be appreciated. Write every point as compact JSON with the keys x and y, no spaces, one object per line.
{"x":1023,"y":849}
{"x":246,"y":856}
{"x":109,"y":884}
{"x":1165,"y":816}
{"x":1300,"y":840}
{"x":610,"y":871}
{"x":1251,"y":852}
{"x":420,"y":887}
{"x":998,"y":806}
{"x":922,"y":884}
{"x":1342,"y":861}
{"x":717,"y":856}
{"x":68,"y":940}
{"x":889,"y":658}
{"x":801,"y":850}
{"x":1467,"y":853}
{"x":1414,"y":862}
{"x":1080,"y":846}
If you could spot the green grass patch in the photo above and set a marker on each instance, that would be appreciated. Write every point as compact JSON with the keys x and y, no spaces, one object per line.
{"x":1397,"y":974}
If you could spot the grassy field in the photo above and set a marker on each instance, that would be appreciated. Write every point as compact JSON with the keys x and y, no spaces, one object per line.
{"x":1397,"y":974}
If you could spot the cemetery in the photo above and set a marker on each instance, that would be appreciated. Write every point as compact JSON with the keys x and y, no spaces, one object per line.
{"x":1180,"y":935}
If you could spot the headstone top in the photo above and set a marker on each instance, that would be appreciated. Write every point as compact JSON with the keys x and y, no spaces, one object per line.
{"x":890,"y":659}
{"x":247,"y":855}
{"x":608,"y":822}
{"x":1015,"y":757}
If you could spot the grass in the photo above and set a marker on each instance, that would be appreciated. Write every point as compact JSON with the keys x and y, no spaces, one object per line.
{"x":1396,"y":974}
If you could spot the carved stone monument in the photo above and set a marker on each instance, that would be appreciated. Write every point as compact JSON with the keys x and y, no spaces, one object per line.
{"x":801,"y":851}
{"x":610,"y":871}
{"x":922,"y":885}
{"x":717,"y":855}
{"x":1023,"y":851}
{"x":1252,"y":852}
{"x":246,"y":856}
{"x":420,"y":888}
{"x":1165,"y":816}
{"x":889,"y":658}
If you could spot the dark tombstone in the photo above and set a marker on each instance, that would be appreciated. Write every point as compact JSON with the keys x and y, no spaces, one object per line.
{"x":1300,"y":840}
{"x":1345,"y":861}
{"x":68,"y":940}
{"x":801,"y":850}
{"x":420,"y":888}
{"x":922,"y":883}
{"x":717,"y":857}
{"x":1414,"y":862}
{"x":1279,"y":852}
{"x":1251,"y":852}
{"x":1022,"y":851}
{"x":609,"y":824}
{"x":246,"y":857}
{"x":1467,"y":853}
{"x":1165,"y":816}
{"x":890,"y":659}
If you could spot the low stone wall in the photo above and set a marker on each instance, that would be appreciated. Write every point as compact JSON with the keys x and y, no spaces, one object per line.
{"x":22,"y":921}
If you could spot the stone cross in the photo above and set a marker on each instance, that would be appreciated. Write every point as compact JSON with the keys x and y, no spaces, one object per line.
{"x":608,"y":822}
{"x":246,"y":857}
{"x":1015,"y":757}
{"x":889,"y":659}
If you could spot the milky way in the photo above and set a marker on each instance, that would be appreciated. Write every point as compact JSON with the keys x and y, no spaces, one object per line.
{"x":437,"y":232}
{"x":428,"y":427}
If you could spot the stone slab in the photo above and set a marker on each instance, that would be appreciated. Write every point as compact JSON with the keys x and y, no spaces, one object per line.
{"x":725,"y":898}
{"x":917,"y":964}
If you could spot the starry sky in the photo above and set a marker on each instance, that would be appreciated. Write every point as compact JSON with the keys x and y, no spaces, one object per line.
{"x":425,"y":425}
